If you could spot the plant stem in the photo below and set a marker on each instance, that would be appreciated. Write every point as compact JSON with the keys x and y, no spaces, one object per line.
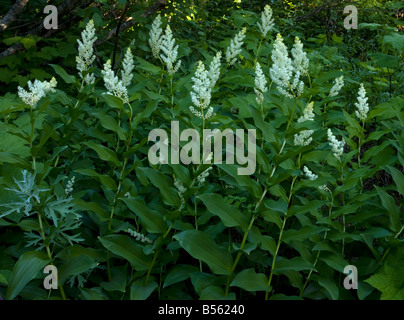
{"x":240,"y":252}
{"x":318,"y":253}
{"x":62,"y":292}
{"x":31,"y":138}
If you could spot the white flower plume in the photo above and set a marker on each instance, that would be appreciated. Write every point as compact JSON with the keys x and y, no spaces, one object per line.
{"x":155,"y":36}
{"x":214,"y":69}
{"x":362,"y":105}
{"x":128,"y":67}
{"x":235,"y":47}
{"x":201,"y":93}
{"x":267,"y":23}
{"x":37,"y":90}
{"x":86,"y":54}
{"x":260,"y":84}
{"x":336,"y":88}
{"x":303,"y":138}
{"x":112,"y":83}
{"x":337,"y":146}
{"x":285,"y":72}
{"x":309,"y":175}
{"x":170,"y":51}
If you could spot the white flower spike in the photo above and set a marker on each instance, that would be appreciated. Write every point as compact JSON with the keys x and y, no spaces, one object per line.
{"x":337,"y":146}
{"x":267,"y":23}
{"x":309,"y":175}
{"x":169,"y":51}
{"x":362,"y":105}
{"x":235,"y":47}
{"x":37,"y":90}
{"x":112,"y":83}
{"x":86,"y":55}
{"x":155,"y":36}
{"x":338,"y":84}
{"x":260,"y":84}
{"x":128,"y":67}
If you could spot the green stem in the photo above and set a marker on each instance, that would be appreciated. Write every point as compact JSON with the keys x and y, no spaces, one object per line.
{"x":318,"y":253}
{"x":31,"y":138}
{"x":240,"y":252}
{"x":62,"y":292}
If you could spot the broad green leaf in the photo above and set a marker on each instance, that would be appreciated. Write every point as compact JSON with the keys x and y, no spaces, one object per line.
{"x":168,"y":195}
{"x":390,"y":278}
{"x":398,"y":178}
{"x":63,"y":74}
{"x":250,"y":280}
{"x":28,"y":266}
{"x":303,"y":233}
{"x":294,"y":264}
{"x":390,"y":205}
{"x":231,"y":216}
{"x":104,"y":153}
{"x":179,"y":273}
{"x":330,"y":286}
{"x":127,"y":248}
{"x":152,"y":220}
{"x":74,"y":267}
{"x":141,"y":291}
{"x":216,"y":293}
{"x":107,"y":182}
{"x":200,"y":245}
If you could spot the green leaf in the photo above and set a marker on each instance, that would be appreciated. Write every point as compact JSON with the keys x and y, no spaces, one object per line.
{"x":390,"y":205}
{"x":201,"y":246}
{"x":216,"y":293}
{"x":330,"y":286}
{"x":127,"y":248}
{"x":75,"y":266}
{"x":168,"y":195}
{"x":113,"y":101}
{"x":398,"y":178}
{"x":141,"y":291}
{"x":152,"y":220}
{"x":107,"y":182}
{"x":250,"y":280}
{"x":390,"y":278}
{"x":27,"y":268}
{"x":179,"y":273}
{"x":104,"y":153}
{"x":147,"y":66}
{"x":231,"y":216}
{"x":302,"y":234}
{"x":63,"y":74}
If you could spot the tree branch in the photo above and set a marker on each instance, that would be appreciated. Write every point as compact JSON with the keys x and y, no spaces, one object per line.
{"x":12,"y":14}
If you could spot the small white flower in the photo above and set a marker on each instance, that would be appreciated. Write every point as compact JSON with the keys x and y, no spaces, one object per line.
{"x":235,"y":47}
{"x":338,"y":84}
{"x":114,"y":86}
{"x":128,"y":67}
{"x":86,"y":55}
{"x":170,"y":51}
{"x":260,"y":84}
{"x":337,"y":146}
{"x":155,"y":36}
{"x":362,"y":105}
{"x":202,"y":177}
{"x":324,"y":188}
{"x":267,"y":23}
{"x":309,"y":175}
{"x":37,"y":90}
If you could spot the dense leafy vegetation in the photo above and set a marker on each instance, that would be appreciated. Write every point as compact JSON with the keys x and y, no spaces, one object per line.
{"x":78,"y":189}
